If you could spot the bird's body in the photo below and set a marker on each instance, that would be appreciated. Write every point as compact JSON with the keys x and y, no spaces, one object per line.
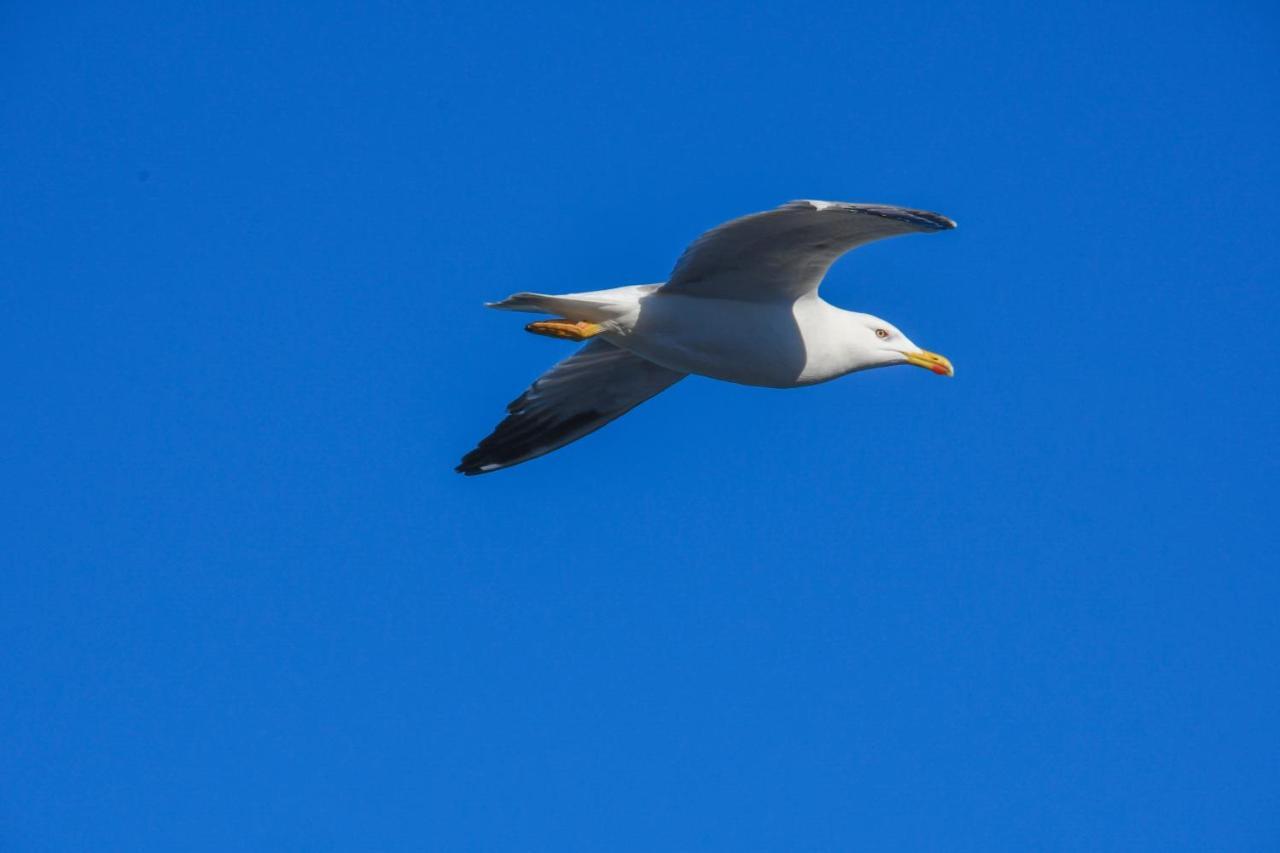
{"x":780,"y":344}
{"x":751,"y":343}
{"x":742,"y":305}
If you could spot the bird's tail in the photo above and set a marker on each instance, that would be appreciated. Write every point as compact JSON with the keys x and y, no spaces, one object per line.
{"x":594,"y":307}
{"x":534,"y":303}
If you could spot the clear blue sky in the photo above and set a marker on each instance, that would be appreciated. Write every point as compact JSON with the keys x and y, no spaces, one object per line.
{"x":246,"y":604}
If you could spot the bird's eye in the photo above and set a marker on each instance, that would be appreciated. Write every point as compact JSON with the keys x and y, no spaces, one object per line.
{"x":881,"y":333}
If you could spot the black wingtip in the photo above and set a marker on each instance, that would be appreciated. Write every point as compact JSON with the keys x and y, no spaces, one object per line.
{"x":524,"y":436}
{"x":944,"y":223}
{"x":919,"y":218}
{"x":474,"y":464}
{"x":924,"y":219}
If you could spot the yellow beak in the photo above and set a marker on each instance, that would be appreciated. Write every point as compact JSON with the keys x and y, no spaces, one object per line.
{"x":939,"y":364}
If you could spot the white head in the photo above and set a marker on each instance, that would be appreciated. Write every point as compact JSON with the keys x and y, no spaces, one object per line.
{"x":878,"y":343}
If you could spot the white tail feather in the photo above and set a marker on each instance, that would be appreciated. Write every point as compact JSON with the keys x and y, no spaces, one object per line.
{"x":532,"y":302}
{"x":593,"y":307}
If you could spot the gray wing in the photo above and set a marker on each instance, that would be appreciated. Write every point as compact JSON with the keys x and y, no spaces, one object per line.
{"x":579,"y":395}
{"x":785,"y":252}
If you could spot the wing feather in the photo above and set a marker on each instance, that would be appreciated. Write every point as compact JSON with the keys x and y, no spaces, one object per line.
{"x":784,"y":253}
{"x":587,"y":390}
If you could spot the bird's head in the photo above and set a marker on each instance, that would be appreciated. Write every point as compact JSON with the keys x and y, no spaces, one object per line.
{"x":882,"y":344}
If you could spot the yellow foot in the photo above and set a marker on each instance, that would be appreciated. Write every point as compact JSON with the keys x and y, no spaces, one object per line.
{"x":566,"y":329}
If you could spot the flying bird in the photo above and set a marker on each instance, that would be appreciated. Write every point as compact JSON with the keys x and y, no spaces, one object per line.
{"x":741,"y":305}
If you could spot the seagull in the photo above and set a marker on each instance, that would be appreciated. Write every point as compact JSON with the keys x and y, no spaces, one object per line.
{"x":741,"y":305}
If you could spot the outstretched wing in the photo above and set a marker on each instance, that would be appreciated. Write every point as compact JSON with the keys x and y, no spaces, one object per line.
{"x":578,"y":396}
{"x":782,"y":254}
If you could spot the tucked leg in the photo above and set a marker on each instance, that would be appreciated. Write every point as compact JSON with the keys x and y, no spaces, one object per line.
{"x":567,"y":329}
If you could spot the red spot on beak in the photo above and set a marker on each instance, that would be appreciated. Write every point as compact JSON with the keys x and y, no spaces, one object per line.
{"x":938,"y":369}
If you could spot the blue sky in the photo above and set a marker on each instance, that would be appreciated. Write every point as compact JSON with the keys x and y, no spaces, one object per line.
{"x":247,"y":604}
